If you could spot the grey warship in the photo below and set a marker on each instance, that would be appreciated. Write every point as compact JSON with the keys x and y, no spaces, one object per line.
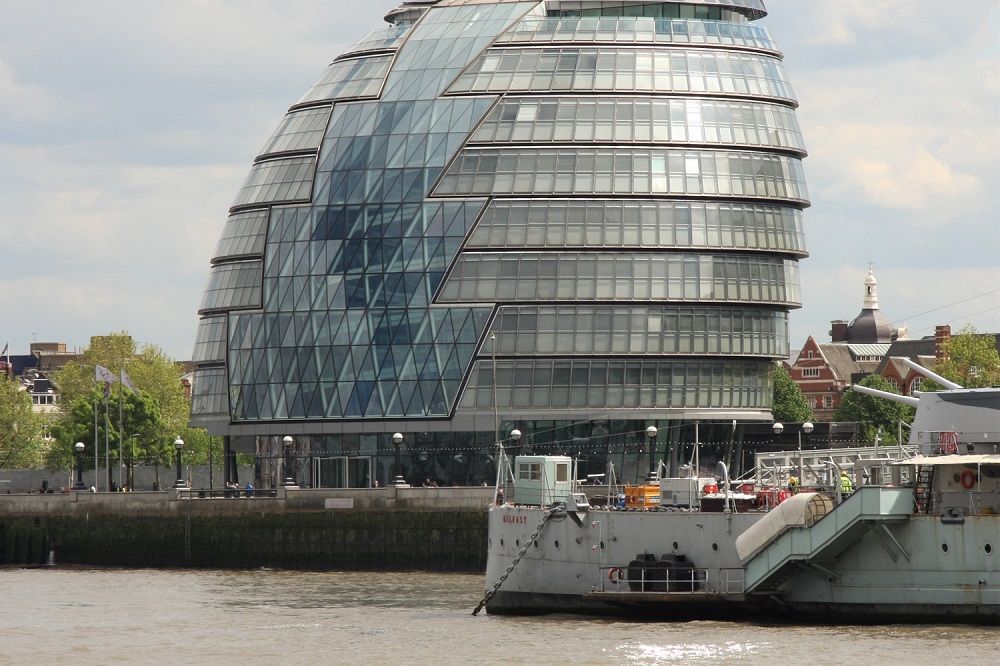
{"x":915,"y":541}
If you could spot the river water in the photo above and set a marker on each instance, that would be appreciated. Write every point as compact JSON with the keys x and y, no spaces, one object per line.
{"x":279,"y":617}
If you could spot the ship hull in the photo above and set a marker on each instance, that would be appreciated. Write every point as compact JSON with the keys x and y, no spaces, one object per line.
{"x":918,"y":569}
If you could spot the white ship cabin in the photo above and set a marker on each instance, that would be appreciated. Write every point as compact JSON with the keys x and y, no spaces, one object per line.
{"x":542,"y":480}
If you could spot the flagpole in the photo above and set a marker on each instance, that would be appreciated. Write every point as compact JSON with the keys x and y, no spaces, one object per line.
{"x":107,"y":454}
{"x":121,"y":429}
{"x":97,"y":448}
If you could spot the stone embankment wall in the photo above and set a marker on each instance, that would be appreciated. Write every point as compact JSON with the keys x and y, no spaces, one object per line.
{"x":432,"y":529}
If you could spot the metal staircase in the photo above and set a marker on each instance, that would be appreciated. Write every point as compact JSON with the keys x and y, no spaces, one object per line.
{"x":923,"y":490}
{"x":866,"y":509}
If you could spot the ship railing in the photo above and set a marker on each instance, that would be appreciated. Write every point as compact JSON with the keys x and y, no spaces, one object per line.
{"x":692,"y":580}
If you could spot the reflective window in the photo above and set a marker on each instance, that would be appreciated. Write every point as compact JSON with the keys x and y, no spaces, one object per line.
{"x":627,"y":70}
{"x":619,"y":329}
{"x":300,"y":130}
{"x":230,"y":286}
{"x":554,"y":223}
{"x":210,"y":344}
{"x":690,"y":9}
{"x":288,"y":179}
{"x":641,"y":120}
{"x":388,"y":37}
{"x":602,"y":276}
{"x":604,"y":384}
{"x":243,"y":235}
{"x":638,"y":31}
{"x":350,"y":79}
{"x":208,"y":392}
{"x":562,"y":171}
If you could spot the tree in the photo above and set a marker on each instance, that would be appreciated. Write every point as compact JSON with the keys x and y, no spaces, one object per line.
{"x":971,"y":360}
{"x":789,"y":404}
{"x":22,"y":441}
{"x":149,"y":422}
{"x":873,"y":413}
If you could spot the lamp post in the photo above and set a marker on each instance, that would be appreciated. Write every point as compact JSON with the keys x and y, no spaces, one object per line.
{"x":289,"y":480}
{"x":653,"y":471}
{"x":398,"y":481}
{"x":179,"y":483}
{"x":79,"y":467}
{"x":807,"y":428}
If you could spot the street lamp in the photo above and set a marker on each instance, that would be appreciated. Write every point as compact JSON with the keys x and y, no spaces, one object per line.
{"x":79,"y":467}
{"x":399,"y":481}
{"x":515,"y":435}
{"x":653,"y":471}
{"x":807,"y":428}
{"x":289,"y":480}
{"x":179,"y":483}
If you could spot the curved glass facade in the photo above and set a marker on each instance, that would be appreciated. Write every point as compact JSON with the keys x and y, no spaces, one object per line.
{"x":576,"y":218}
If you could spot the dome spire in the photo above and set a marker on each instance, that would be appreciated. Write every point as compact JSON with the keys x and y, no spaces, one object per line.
{"x":871,"y":290}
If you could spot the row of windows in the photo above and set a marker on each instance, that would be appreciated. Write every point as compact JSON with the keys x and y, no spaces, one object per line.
{"x":638,"y":30}
{"x":578,"y":384}
{"x":711,"y":9}
{"x":639,"y":70}
{"x":590,"y":171}
{"x":236,"y":285}
{"x":210,"y":341}
{"x":533,"y":276}
{"x":639,"y":330}
{"x":243,"y":235}
{"x":209,"y":392}
{"x":273,"y":181}
{"x":616,"y":223}
{"x":350,"y":79}
{"x":641,"y":120}
{"x":299,"y":130}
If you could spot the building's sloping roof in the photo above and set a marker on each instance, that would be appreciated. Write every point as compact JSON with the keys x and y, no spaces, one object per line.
{"x":913,"y":349}
{"x":869,"y":350}
{"x":843,"y":364}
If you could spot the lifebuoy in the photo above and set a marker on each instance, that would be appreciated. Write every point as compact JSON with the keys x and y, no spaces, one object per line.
{"x":615,"y":575}
{"x":968,"y":479}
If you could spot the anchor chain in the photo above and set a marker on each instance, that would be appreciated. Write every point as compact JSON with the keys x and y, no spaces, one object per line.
{"x":517,"y":558}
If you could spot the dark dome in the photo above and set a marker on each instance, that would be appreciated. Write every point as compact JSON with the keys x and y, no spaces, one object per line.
{"x":869,"y":327}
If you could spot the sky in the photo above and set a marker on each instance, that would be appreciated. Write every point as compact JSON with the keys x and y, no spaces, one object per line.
{"x":127,"y":128}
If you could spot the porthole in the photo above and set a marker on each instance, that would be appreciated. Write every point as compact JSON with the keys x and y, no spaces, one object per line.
{"x":556,"y":544}
{"x":501,"y":542}
{"x":988,"y":548}
{"x":517,"y":543}
{"x":944,"y":548}
{"x":602,"y":545}
{"x":676,"y":545}
{"x":536,"y":543}
{"x":715,"y":547}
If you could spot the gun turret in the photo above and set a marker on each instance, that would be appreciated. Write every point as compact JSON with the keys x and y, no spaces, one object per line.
{"x":929,"y":375}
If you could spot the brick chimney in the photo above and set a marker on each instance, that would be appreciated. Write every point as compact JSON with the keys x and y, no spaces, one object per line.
{"x":941,"y":335}
{"x":838,"y":330}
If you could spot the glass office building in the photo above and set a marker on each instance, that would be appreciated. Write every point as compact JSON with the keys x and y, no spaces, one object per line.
{"x":577,"y":218}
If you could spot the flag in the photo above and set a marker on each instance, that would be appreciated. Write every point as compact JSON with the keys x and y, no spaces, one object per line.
{"x":127,"y":382}
{"x":102,"y":374}
{"x":4,"y":352}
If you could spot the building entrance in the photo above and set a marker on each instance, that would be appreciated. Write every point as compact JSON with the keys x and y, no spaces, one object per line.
{"x":343,"y":472}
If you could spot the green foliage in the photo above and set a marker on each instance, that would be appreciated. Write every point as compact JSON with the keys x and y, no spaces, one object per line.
{"x":150,"y":421}
{"x":971,"y":360}
{"x":22,"y":443}
{"x":872,"y":412}
{"x":789,"y":405}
